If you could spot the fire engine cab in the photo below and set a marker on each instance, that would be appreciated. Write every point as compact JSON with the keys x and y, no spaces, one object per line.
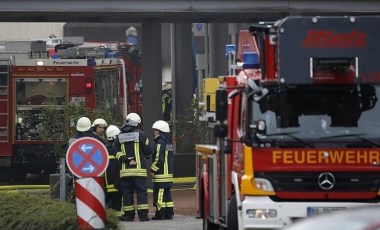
{"x":297,"y":126}
{"x":32,"y":82}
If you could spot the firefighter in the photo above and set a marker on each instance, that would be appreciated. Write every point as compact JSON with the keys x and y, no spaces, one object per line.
{"x":98,"y":127}
{"x":166,"y":101}
{"x":133,"y":151}
{"x":83,"y":128}
{"x":162,"y":171}
{"x":112,"y":174}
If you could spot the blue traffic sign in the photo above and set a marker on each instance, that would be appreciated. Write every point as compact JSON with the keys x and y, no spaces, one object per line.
{"x":87,"y":157}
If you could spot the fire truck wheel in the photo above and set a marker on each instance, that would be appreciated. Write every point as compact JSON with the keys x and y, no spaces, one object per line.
{"x":207,"y":225}
{"x":232,"y":217}
{"x":19,"y":176}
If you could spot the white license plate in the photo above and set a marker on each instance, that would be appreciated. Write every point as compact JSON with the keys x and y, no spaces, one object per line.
{"x":315,"y":211}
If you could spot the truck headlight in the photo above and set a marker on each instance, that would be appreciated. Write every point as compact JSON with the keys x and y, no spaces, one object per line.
{"x":263,"y":184}
{"x":261,"y":213}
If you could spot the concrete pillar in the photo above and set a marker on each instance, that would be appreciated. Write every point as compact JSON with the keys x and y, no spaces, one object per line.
{"x":218,"y":39}
{"x":151,"y":75}
{"x":182,"y":67}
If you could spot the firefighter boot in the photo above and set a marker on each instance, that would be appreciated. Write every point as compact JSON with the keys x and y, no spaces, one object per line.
{"x":169,"y":213}
{"x":159,"y":215}
{"x":143,"y":215}
{"x":128,"y":216}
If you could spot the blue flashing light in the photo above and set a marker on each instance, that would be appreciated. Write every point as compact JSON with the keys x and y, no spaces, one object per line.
{"x":91,"y":62}
{"x":54,"y":56}
{"x":250,"y":60}
{"x":132,"y":40}
{"x":230,"y":48}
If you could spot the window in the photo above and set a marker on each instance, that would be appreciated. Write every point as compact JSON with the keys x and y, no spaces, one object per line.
{"x":32,"y":97}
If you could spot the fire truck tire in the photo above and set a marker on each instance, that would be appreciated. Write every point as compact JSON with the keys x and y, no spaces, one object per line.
{"x":207,"y":225}
{"x":18,"y":176}
{"x":232,"y":215}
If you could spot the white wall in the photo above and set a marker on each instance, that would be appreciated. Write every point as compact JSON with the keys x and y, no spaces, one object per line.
{"x":29,"y":30}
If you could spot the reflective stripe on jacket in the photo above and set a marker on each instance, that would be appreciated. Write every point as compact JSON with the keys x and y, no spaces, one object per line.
{"x":133,"y":150}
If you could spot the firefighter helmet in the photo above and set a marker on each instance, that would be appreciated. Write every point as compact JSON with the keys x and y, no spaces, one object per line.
{"x":99,"y":121}
{"x":133,"y":119}
{"x":83,"y":124}
{"x":111,"y":132}
{"x":161,"y":125}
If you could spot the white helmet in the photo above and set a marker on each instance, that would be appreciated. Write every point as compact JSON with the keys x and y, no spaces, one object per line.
{"x":133,"y":119}
{"x":161,"y":125}
{"x":83,"y":124}
{"x":111,"y":132}
{"x":99,"y":121}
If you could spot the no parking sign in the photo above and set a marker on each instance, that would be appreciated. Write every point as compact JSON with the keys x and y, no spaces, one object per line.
{"x":87,"y":157}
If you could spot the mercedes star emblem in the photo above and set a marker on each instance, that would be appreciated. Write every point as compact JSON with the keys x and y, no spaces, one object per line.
{"x":326,"y":181}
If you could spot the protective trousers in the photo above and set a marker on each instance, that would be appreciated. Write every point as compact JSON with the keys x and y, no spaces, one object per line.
{"x":130,"y":185}
{"x":114,"y":201}
{"x":162,"y":200}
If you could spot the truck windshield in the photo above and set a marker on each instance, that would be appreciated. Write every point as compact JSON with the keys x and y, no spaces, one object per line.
{"x":316,"y":114}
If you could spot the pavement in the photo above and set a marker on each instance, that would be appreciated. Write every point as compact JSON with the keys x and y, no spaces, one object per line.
{"x":185,"y":215}
{"x":179,"y":222}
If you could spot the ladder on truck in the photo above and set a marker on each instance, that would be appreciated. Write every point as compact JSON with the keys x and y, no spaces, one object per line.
{"x":5,"y":67}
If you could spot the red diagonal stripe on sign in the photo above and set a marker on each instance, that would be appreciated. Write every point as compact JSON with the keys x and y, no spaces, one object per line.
{"x":87,"y":158}
{"x":83,"y":224}
{"x":86,"y":197}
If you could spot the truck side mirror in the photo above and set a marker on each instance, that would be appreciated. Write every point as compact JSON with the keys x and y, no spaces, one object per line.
{"x":221,"y":105}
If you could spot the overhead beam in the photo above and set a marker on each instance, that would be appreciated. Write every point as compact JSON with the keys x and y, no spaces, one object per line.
{"x":174,"y":10}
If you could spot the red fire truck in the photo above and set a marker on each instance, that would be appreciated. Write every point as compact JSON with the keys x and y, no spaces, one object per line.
{"x":298,"y":127}
{"x":31,"y":82}
{"x":130,"y":53}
